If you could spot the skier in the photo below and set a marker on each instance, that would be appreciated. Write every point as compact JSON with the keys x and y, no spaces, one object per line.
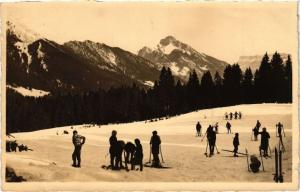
{"x":228,"y":126}
{"x":198,"y":129}
{"x":240,"y":115}
{"x":138,"y":155}
{"x":264,"y":141}
{"x":211,"y":137}
{"x":217,"y":128}
{"x":279,"y":129}
{"x":129,"y":149}
{"x":255,"y":164}
{"x":235,"y":115}
{"x":226,"y":116}
{"x":113,"y":141}
{"x":118,"y":154}
{"x":236,"y":144}
{"x":255,"y":133}
{"x":230,"y":115}
{"x":258,"y":125}
{"x":78,"y":141}
{"x":155,"y":145}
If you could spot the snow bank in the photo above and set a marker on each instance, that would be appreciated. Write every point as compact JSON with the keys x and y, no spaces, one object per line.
{"x":30,"y":93}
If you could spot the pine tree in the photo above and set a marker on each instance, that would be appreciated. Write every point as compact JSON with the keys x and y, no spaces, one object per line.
{"x":247,"y":86}
{"x":207,"y":90}
{"x":277,"y":80}
{"x":289,"y":79}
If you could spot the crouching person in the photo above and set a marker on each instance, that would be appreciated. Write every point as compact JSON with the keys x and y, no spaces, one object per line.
{"x":138,"y":155}
{"x":255,"y":164}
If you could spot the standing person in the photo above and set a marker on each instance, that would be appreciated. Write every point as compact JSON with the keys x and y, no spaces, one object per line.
{"x":211,"y":138}
{"x":228,"y":126}
{"x":217,"y":128}
{"x":113,"y":141}
{"x":138,"y":155}
{"x":155,"y":145}
{"x":198,"y":129}
{"x":279,"y":129}
{"x":236,"y":144}
{"x":235,"y":115}
{"x":226,"y":116}
{"x":78,"y":141}
{"x":264,"y":141}
{"x":240,"y":115}
{"x":255,"y":133}
{"x":230,"y":115}
{"x":258,"y":124}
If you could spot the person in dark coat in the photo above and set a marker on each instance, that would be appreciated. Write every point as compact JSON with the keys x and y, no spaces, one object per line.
{"x":129,"y":149}
{"x":258,"y":124}
{"x":138,"y":155}
{"x":155,"y":145}
{"x":254,"y":164}
{"x":113,"y":141}
{"x":255,"y":133}
{"x":198,"y":129}
{"x":226,"y":116}
{"x":78,"y":141}
{"x":279,"y":129}
{"x":217,"y":128}
{"x":211,"y":138}
{"x":230,"y":115}
{"x":228,"y":126}
{"x":236,"y":144}
{"x":235,"y":115}
{"x":264,"y":142}
{"x":240,"y":115}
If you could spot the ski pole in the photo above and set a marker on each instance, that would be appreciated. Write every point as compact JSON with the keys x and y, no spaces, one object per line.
{"x":203,"y":136}
{"x":262,"y":161}
{"x":270,"y":151}
{"x":162,"y":159}
{"x":150,"y":155}
{"x":283,"y":131}
{"x":217,"y":149}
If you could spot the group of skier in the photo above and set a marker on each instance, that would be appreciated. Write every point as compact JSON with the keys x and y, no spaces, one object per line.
{"x":235,"y":115}
{"x":133,"y":153}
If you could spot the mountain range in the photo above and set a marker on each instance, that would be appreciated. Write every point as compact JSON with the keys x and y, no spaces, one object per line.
{"x":36,"y":62}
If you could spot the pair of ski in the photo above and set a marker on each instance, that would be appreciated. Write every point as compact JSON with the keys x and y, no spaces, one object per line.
{"x":278,"y":176}
{"x":206,"y":154}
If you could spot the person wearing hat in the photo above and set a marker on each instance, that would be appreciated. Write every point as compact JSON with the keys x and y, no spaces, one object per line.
{"x":78,"y":141}
{"x":113,"y":141}
{"x":155,"y":143}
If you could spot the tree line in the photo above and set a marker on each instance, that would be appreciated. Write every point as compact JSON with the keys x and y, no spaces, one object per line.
{"x":271,"y":83}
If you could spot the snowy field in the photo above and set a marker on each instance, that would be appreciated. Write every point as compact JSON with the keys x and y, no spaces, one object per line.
{"x":182,"y":151}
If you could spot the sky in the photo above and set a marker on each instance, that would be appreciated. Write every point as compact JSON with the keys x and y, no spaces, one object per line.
{"x":223,"y":30}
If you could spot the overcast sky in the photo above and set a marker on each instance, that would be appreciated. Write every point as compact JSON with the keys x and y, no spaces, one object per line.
{"x":225,"y":30}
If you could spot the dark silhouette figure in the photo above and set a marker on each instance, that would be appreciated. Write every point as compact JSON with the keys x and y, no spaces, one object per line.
{"x":264,"y":142}
{"x":113,"y":141}
{"x":78,"y":141}
{"x":240,"y":115}
{"x":258,"y":124}
{"x":226,"y":116}
{"x":198,"y":129}
{"x":254,"y":164}
{"x":228,"y":126}
{"x":235,"y":115}
{"x":217,"y":128}
{"x":255,"y":133}
{"x":129,"y":149}
{"x":211,"y":138}
{"x":230,"y":115}
{"x":118,"y":154}
{"x":279,"y":129}
{"x":138,"y":155}
{"x":236,"y":144}
{"x":155,"y":145}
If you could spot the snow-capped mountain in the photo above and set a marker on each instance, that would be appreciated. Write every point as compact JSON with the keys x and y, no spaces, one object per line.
{"x":42,"y":64}
{"x":254,"y":61}
{"x":181,"y":58}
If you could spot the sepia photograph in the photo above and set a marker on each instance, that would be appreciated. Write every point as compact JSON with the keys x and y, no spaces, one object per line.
{"x":149,"y":96}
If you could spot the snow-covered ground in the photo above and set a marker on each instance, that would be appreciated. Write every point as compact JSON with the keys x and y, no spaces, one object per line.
{"x":182,"y":151}
{"x":29,"y":92}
